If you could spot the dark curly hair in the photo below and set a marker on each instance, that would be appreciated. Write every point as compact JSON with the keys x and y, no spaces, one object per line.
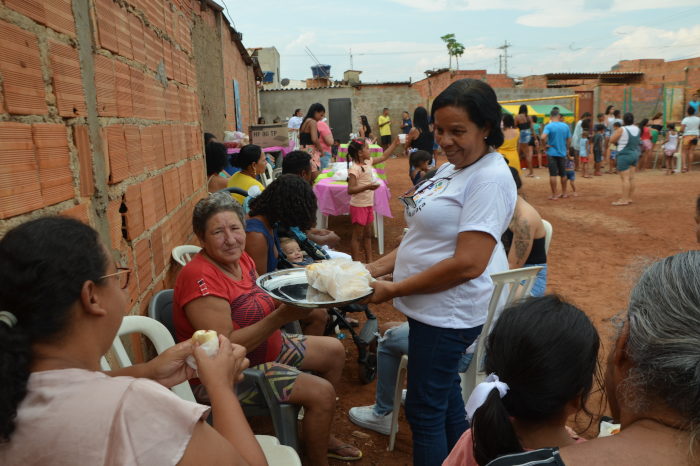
{"x":479,"y":100}
{"x":289,"y":200}
{"x":216,"y":157}
{"x":296,"y":162}
{"x":45,"y":263}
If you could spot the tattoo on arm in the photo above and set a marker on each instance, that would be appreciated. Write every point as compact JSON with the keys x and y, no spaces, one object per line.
{"x":521,"y":239}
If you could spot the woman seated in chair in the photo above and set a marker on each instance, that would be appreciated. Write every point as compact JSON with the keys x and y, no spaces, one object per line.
{"x":62,"y":302}
{"x":524,"y":239}
{"x":217,"y":159}
{"x":217,"y":290}
{"x":252,"y":162}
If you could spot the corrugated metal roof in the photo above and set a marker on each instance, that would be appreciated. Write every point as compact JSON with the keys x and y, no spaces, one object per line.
{"x":304,"y":88}
{"x":385,"y":83}
{"x":593,"y":75}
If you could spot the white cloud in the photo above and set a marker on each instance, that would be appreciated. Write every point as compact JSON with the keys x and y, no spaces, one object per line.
{"x":559,"y":17}
{"x":306,"y":38}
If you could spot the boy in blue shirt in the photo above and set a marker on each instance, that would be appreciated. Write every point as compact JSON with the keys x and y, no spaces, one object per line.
{"x":557,"y":140}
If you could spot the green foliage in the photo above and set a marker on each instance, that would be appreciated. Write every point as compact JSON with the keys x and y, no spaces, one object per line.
{"x":454,"y":48}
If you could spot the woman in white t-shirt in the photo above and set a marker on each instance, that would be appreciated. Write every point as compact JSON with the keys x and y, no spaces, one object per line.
{"x":690,"y":129}
{"x":62,"y":302}
{"x":295,"y":122}
{"x":441,"y":269}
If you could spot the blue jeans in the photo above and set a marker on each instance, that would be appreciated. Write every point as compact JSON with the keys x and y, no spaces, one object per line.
{"x":434,"y":406}
{"x":326,"y":160}
{"x":390,"y":349}
{"x":540,"y":285}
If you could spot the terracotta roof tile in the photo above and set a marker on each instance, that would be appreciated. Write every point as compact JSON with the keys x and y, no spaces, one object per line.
{"x":115,"y":222}
{"x":133,"y":149}
{"x":81,"y":140}
{"x":158,"y":149}
{"x":106,"y":89}
{"x":121,"y":23}
{"x":159,"y":196}
{"x":23,"y":83}
{"x":106,"y":25}
{"x":134,"y":211}
{"x":67,"y":80}
{"x":138,"y":43}
{"x":149,"y":162}
{"x":138,"y":93}
{"x":118,"y":161}
{"x":59,"y":16}
{"x":122,"y":81}
{"x":78,"y":212}
{"x":157,"y":248}
{"x":20,"y":189}
{"x":154,"y":49}
{"x":149,"y":204}
{"x":53,"y":158}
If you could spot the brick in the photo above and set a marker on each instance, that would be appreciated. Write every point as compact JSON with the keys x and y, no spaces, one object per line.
{"x":189,"y":147}
{"x":149,"y":162}
{"x":158,"y":149}
{"x":138,"y":93}
{"x":154,"y":49}
{"x":170,"y":188}
{"x":145,"y":301}
{"x":183,"y":175}
{"x":67,"y":81}
{"x":118,"y":161}
{"x":169,"y":21}
{"x":184,"y":34}
{"x":105,"y":152}
{"x":167,"y":239}
{"x":55,"y":175}
{"x":20,"y":188}
{"x":32,"y":8}
{"x":133,"y":288}
{"x":106,"y":89}
{"x":81,"y":140}
{"x":122,"y":81}
{"x":115,"y":222}
{"x":138,"y":43}
{"x":133,"y":149}
{"x":189,"y":179}
{"x":197,"y":168}
{"x":23,"y":82}
{"x":185,"y":223}
{"x":178,"y":132}
{"x":167,"y":59}
{"x":133,"y":217}
{"x":148,"y":83}
{"x":168,"y":145}
{"x":121,"y":23}
{"x":159,"y":198}
{"x":59,"y":16}
{"x":78,"y":212}
{"x":106,"y":25}
{"x":158,"y":100}
{"x":154,"y":10}
{"x":149,"y":204}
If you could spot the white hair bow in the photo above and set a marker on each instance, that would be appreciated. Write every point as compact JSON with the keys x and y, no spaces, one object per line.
{"x":482,"y":391}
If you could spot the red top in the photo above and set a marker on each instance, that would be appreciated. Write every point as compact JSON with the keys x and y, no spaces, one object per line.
{"x":646,"y":133}
{"x":249,"y":304}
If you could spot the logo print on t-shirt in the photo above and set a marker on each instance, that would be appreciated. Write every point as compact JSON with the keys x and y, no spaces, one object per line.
{"x":420,"y":199}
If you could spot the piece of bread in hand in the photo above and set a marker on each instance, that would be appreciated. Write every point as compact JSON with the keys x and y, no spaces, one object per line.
{"x":203,"y":336}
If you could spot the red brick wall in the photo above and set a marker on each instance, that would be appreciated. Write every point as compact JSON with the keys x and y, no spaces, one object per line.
{"x":236,"y":68}
{"x":433,"y":86}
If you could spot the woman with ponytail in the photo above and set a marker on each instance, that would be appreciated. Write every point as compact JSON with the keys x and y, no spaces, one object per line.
{"x":61,"y":305}
{"x":542,"y":357}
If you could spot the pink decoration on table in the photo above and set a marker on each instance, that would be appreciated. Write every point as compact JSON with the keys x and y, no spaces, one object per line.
{"x":333,"y":198}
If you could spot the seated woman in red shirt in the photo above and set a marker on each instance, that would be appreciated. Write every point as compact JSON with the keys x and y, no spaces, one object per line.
{"x":217,"y":290}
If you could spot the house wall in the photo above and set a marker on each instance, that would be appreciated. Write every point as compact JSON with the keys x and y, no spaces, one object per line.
{"x":101,"y":122}
{"x":236,"y":68}
{"x":282,"y":103}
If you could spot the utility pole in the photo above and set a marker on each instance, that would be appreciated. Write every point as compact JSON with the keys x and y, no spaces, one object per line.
{"x":504,"y":47}
{"x":499,"y":64}
{"x":351,"y":59}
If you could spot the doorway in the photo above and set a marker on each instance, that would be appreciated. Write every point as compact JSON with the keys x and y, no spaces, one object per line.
{"x":340,"y":119}
{"x":585,"y":104}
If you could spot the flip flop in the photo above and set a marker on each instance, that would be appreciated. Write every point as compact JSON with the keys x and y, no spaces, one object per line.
{"x":618,"y":204}
{"x":332,"y":453}
{"x":564,"y":196}
{"x":553,"y":198}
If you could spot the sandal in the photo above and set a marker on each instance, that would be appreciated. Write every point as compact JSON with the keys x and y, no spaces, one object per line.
{"x":332,"y":453}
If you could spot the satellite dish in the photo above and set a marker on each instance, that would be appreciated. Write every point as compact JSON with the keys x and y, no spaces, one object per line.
{"x":285,"y":82}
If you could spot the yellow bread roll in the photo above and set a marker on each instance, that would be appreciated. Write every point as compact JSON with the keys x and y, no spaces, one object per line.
{"x":203,"y":336}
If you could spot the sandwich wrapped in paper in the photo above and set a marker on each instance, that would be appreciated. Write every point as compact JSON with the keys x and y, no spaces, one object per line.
{"x":341,"y":278}
{"x":209,"y":342}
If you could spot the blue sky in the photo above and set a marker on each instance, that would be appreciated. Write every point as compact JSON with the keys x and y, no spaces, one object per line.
{"x":394,"y":40}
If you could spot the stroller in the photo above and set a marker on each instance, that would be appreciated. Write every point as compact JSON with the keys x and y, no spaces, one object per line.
{"x":366,"y":341}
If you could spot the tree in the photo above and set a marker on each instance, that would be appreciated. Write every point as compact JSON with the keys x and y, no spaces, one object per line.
{"x":454,"y":48}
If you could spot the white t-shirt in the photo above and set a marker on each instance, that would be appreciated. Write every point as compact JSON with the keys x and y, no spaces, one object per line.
{"x":480,"y":197}
{"x":295,"y":122}
{"x":622,"y":142}
{"x":691,"y":126}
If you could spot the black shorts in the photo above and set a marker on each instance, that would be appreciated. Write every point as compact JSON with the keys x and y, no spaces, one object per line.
{"x":532,"y":140}
{"x":598,"y":156}
{"x":557,"y":166}
{"x":386,"y":140}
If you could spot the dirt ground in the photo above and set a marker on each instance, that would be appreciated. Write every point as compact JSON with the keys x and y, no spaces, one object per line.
{"x":592,"y":244}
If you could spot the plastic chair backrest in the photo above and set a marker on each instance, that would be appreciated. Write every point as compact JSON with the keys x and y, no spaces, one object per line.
{"x":474,"y":375}
{"x":547,"y":235}
{"x":266,"y":178}
{"x":182,"y":254}
{"x":161,"y":309}
{"x":234,"y":190}
{"x":159,"y":336}
{"x":276,"y":173}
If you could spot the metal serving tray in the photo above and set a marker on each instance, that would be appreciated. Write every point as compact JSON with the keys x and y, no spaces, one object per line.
{"x":290,"y":287}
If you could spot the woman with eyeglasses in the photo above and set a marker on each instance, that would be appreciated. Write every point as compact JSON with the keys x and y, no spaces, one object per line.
{"x":61,"y":305}
{"x":441,"y":269}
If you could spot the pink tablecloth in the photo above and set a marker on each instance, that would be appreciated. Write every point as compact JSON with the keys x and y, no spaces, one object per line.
{"x":333,"y":198}
{"x":285,"y":150}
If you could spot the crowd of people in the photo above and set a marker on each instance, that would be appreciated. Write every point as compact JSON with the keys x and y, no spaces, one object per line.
{"x":62,"y":302}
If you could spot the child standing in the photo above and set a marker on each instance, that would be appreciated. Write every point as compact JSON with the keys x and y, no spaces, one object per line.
{"x":598,"y":147}
{"x":361,"y":186}
{"x":334,"y":149}
{"x":613,"y":151}
{"x":420,"y":164}
{"x":570,"y":173}
{"x":670,"y":148}
{"x":584,"y":152}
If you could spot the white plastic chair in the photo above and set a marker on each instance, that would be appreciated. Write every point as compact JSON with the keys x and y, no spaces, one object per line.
{"x":547,"y":235}
{"x":182,"y":254}
{"x":472,"y":377}
{"x":267,"y":178}
{"x":276,"y":173}
{"x":275,"y":454}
